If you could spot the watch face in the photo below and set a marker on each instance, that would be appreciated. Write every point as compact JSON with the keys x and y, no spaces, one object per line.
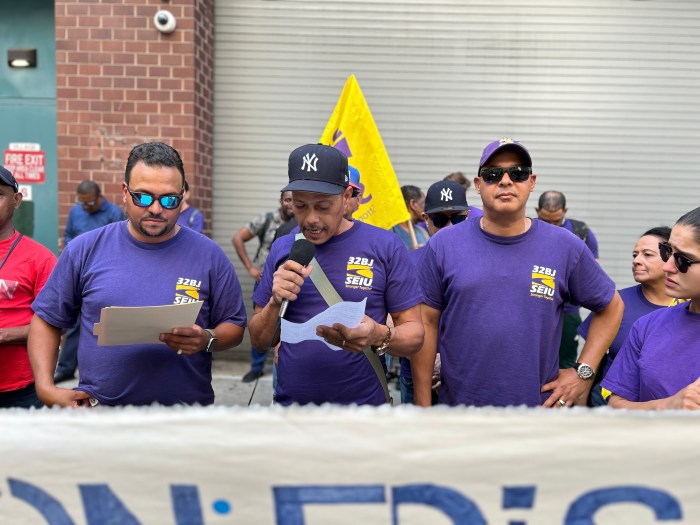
{"x":380,"y":350}
{"x":584,"y":371}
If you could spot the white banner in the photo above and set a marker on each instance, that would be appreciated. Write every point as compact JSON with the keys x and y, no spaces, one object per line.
{"x":220,"y":465}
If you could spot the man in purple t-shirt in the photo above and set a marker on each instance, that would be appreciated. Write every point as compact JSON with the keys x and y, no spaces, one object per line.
{"x":361,"y":262}
{"x":445,"y":205}
{"x":494,"y":291}
{"x":552,"y":209}
{"x":148,"y":260}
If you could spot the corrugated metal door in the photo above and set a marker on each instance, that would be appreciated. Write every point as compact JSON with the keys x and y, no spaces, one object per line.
{"x":604,"y":94}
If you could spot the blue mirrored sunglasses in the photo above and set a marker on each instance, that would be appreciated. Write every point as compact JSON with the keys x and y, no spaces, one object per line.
{"x":144,"y":200}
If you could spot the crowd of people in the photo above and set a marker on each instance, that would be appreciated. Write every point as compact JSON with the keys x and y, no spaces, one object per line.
{"x":481,"y":305}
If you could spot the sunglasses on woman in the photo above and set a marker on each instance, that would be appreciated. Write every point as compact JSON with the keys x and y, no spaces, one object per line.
{"x":682,"y":261}
{"x":516,"y":174}
{"x":144,"y":200}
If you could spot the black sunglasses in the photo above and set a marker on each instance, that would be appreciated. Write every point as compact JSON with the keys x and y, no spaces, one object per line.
{"x":682,"y":262}
{"x":440,"y":221}
{"x":516,"y":174}
{"x":144,"y":200}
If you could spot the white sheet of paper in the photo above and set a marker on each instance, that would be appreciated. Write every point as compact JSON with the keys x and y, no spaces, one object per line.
{"x":130,"y":325}
{"x":346,"y":312}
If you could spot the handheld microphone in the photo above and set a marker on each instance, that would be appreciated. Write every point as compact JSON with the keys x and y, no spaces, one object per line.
{"x":302,"y":252}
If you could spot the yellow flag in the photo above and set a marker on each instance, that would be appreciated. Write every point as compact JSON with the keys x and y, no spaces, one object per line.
{"x":351,"y":129}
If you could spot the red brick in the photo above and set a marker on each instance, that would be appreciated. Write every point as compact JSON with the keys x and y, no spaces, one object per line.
{"x":98,"y":33}
{"x":136,"y":95}
{"x":99,"y":116}
{"x":89,"y":70}
{"x":147,"y":83}
{"x":147,"y":59}
{"x":100,"y":106}
{"x":138,"y":22}
{"x":102,"y":10}
{"x":159,"y":95}
{"x":114,"y":70}
{"x":124,"y":34}
{"x":111,"y":46}
{"x":113,"y":22}
{"x":136,"y":71}
{"x":78,"y":81}
{"x":124,"y":10}
{"x":156,"y":71}
{"x":100,"y":82}
{"x":124,"y":83}
{"x":88,"y":93}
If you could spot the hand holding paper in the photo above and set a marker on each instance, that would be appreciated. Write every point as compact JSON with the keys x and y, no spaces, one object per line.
{"x":142,"y":324}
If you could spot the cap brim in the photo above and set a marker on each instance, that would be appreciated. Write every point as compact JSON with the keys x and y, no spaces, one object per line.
{"x":13,"y":185}
{"x":446,"y":208}
{"x":314,"y":186}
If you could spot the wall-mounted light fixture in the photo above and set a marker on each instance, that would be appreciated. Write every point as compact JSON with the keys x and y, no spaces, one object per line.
{"x":21,"y":57}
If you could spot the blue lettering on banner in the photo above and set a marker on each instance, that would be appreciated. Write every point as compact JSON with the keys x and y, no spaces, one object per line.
{"x":459,"y":508}
{"x":665,"y":506}
{"x":290,"y":501}
{"x":102,"y":506}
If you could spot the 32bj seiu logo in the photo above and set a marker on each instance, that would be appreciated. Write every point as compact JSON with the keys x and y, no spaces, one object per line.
{"x":102,"y":506}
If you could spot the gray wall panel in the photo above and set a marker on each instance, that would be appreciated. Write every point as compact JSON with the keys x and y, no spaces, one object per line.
{"x":604,"y":94}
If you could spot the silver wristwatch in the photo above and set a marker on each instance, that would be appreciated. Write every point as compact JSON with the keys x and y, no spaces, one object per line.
{"x":584,"y":371}
{"x":212,"y":341}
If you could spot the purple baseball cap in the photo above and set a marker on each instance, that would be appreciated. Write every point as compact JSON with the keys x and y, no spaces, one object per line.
{"x":7,"y":179}
{"x":505,"y":143}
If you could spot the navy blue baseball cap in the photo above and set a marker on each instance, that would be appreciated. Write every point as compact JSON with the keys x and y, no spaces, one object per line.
{"x":7,"y":179}
{"x":445,"y":195}
{"x":319,"y":169}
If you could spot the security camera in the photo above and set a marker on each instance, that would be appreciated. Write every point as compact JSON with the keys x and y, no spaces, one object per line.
{"x":164,"y":21}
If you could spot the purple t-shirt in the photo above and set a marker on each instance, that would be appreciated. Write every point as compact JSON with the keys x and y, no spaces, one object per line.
{"x":475,"y":213}
{"x":501,"y":300}
{"x":364,"y":261}
{"x":659,"y":357}
{"x":636,"y":306}
{"x":192,"y":218}
{"x":109,"y":267}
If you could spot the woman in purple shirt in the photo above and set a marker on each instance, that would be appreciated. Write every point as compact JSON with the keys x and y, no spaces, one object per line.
{"x":658,"y":366}
{"x":646,"y":297}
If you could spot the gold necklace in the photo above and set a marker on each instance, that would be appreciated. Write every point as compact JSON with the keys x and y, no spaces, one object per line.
{"x":482,"y":221}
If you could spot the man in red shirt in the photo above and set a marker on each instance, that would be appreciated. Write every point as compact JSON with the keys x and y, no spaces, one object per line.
{"x":25,"y":266}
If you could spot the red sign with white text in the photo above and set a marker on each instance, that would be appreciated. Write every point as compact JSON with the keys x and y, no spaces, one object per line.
{"x":28,"y":167}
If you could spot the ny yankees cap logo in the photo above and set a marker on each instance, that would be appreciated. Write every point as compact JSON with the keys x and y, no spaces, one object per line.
{"x":309,"y":162}
{"x":446,"y":194}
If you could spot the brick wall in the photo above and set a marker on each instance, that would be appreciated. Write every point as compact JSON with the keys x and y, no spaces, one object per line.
{"x":121,"y":82}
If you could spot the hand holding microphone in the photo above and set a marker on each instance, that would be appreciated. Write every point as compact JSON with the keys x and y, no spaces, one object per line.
{"x":302,"y":252}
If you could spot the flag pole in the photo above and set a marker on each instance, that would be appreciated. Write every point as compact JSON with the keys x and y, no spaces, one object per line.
{"x":409,"y":223}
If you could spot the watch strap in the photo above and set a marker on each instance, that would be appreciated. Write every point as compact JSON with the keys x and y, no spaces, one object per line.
{"x":212,"y":340}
